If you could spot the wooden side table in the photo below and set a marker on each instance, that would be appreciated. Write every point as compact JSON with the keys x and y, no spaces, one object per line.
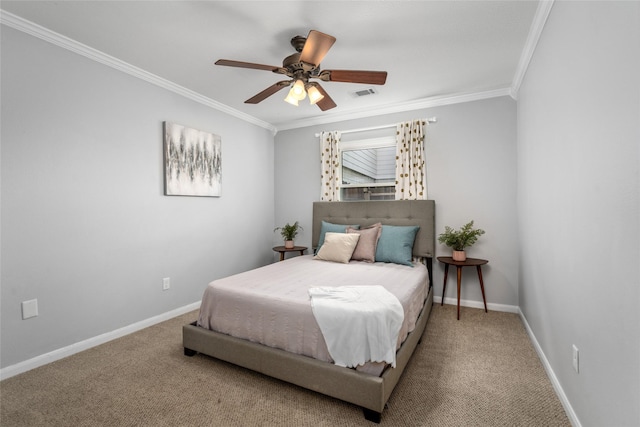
{"x":469,"y":262}
{"x":284,"y":250}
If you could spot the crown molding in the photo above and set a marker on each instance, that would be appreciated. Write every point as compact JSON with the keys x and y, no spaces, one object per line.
{"x":539,"y":20}
{"x":431,"y":102}
{"x":52,"y":37}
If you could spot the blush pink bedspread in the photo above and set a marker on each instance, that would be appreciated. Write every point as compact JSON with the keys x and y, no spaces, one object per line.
{"x":271,"y":305}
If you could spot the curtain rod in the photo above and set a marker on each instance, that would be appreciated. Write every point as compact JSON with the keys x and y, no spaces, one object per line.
{"x":429,"y":120}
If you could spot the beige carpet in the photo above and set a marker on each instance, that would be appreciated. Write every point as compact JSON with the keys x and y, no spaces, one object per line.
{"x":479,"y":371}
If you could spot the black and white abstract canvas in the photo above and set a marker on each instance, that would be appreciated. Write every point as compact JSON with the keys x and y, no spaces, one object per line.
{"x":192,"y":162}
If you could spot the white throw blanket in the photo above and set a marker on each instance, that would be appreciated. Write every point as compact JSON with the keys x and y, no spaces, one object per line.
{"x":359,"y":323}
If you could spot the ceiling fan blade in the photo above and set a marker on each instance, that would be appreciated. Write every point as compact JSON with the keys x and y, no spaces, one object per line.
{"x":316,"y":47}
{"x":251,"y":65}
{"x":325,"y":103}
{"x":267,"y":92}
{"x":354,"y":76}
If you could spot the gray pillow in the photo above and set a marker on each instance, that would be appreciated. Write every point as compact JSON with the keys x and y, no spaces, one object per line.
{"x":366,"y":247}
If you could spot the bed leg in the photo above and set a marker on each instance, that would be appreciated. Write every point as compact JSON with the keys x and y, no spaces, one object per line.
{"x":372,"y":416}
{"x":189,"y":352}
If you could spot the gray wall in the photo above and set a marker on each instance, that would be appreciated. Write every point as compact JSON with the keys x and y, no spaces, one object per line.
{"x":471,"y":174}
{"x":578,"y":205}
{"x":85,"y":226}
{"x":86,"y":230}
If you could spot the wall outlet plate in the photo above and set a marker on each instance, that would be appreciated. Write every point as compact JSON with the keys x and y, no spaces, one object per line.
{"x":29,"y":309}
{"x":166,"y":283}
{"x":576,"y":364}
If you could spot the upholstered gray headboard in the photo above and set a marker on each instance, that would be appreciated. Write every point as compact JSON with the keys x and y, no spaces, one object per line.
{"x":390,"y":212}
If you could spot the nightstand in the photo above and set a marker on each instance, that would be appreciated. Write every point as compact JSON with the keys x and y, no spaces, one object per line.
{"x":469,"y":262}
{"x":284,"y":250}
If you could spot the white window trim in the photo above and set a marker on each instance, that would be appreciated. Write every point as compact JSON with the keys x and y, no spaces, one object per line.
{"x":363,"y":144}
{"x":369,"y":184}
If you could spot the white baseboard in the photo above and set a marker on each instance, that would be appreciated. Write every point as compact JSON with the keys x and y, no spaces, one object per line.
{"x":478,"y":304}
{"x":573,"y":418}
{"x":61,"y":353}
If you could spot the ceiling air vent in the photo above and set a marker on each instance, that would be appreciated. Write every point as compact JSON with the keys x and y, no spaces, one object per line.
{"x":364,"y":92}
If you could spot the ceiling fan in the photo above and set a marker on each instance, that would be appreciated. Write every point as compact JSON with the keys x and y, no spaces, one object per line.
{"x":303,"y":66}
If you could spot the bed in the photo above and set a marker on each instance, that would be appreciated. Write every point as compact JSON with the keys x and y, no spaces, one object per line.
{"x":367,"y":388}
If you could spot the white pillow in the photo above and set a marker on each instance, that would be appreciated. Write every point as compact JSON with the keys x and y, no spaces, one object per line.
{"x":338,"y":247}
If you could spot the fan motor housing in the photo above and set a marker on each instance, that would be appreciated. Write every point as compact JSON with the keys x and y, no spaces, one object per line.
{"x":293,"y":64}
{"x":298,"y":43}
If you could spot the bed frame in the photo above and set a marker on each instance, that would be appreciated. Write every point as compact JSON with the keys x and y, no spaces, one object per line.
{"x":365,"y":390}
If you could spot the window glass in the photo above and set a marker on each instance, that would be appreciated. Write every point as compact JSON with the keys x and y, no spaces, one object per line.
{"x":368,"y":169}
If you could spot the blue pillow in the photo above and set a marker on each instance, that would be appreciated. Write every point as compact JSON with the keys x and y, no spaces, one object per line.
{"x":328,"y":227}
{"x":396,"y":244}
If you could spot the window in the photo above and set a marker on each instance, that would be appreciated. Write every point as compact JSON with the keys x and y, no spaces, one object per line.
{"x":368,"y":169}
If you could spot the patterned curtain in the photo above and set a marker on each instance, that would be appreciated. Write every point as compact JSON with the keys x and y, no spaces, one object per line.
{"x":330,"y":158}
{"x":411,"y":174}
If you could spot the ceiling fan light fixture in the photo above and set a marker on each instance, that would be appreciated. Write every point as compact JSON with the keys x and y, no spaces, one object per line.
{"x":291,"y":99}
{"x":314,"y":95}
{"x":303,"y":66}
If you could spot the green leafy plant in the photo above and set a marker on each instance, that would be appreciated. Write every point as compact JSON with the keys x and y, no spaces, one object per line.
{"x":460,"y":239}
{"x":289,"y":231}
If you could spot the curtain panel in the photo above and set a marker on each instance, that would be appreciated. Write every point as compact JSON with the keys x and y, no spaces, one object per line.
{"x":411,"y":176}
{"x":330,"y":158}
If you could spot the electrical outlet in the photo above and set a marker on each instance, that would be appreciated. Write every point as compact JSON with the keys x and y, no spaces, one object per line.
{"x":166,"y":283}
{"x":29,"y":309}
{"x":576,"y":359}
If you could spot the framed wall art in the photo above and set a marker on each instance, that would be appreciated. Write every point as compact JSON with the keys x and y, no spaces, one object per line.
{"x":192,"y":162}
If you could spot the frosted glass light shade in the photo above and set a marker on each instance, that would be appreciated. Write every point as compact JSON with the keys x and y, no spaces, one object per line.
{"x":314,"y":95}
{"x":298,"y":91}
{"x":291,"y":99}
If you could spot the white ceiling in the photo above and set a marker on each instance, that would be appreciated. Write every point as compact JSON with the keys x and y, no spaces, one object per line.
{"x":430,"y":49}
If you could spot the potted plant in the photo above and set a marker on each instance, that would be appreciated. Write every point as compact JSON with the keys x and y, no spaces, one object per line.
{"x":458,"y":240}
{"x":288,"y":233}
